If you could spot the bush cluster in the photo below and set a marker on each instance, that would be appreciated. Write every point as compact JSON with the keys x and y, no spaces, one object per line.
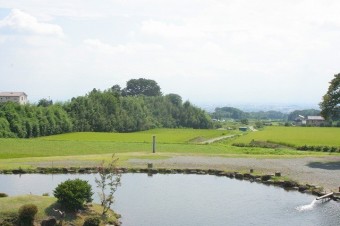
{"x":27,"y":213}
{"x":72,"y":194}
{"x":260,"y":144}
{"x":2,"y":195}
{"x":318,"y":148}
{"x":241,"y":145}
{"x":92,"y":221}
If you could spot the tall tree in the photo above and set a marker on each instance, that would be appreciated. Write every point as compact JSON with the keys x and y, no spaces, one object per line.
{"x":142,"y":86}
{"x":330,"y":105}
{"x":44,"y":102}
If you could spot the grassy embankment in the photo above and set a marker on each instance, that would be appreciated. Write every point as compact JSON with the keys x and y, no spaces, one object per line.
{"x":87,"y":149}
{"x":9,"y":207}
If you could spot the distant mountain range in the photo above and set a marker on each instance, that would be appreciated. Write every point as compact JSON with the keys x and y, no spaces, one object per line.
{"x":284,"y":108}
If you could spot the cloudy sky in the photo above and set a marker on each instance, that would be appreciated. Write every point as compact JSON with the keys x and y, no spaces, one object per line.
{"x":211,"y":51}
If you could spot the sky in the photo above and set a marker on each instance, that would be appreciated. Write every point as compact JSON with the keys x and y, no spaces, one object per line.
{"x":209,"y":52}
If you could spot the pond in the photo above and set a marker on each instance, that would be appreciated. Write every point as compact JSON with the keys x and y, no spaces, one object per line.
{"x":178,"y":199}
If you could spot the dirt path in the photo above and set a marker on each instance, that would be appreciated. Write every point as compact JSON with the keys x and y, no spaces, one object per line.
{"x":252,"y":128}
{"x":217,"y":139}
{"x":322,"y":171}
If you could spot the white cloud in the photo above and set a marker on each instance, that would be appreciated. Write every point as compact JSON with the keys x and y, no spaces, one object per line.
{"x":130,"y":48}
{"x":168,"y":30}
{"x":20,"y":21}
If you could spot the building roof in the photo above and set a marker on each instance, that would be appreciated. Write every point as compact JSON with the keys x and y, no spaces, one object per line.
{"x":12,"y":94}
{"x":315,"y":118}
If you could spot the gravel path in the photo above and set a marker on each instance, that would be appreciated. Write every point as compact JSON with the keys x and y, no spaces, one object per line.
{"x":218,"y":139}
{"x":322,"y":171}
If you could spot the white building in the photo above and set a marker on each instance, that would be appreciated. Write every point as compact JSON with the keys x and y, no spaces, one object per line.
{"x":18,"y":97}
{"x":315,"y":120}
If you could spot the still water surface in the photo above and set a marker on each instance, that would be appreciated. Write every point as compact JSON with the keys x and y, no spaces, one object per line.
{"x":193,"y":200}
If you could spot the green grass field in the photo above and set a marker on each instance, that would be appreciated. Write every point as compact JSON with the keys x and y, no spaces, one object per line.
{"x":164,"y":136}
{"x":88,"y":149}
{"x":167,"y":140}
{"x":295,"y":136}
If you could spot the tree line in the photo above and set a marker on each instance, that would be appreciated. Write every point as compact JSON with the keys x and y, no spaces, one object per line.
{"x":26,"y":121}
{"x":237,"y":114}
{"x":139,"y":106}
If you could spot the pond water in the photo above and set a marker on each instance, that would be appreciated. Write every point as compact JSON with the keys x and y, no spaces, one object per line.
{"x":193,"y":200}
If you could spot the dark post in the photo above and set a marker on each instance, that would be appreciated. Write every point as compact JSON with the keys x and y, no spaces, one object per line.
{"x":278,"y":174}
{"x":153,"y":144}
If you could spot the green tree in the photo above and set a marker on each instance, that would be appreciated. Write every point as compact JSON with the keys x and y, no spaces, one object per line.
{"x":245,"y":121}
{"x":174,"y":99}
{"x":5,"y":130}
{"x":108,"y":182}
{"x":116,"y":89}
{"x":72,"y":194}
{"x":142,"y":86}
{"x":44,"y":102}
{"x":229,"y":112}
{"x":330,"y":105}
{"x":258,"y":124}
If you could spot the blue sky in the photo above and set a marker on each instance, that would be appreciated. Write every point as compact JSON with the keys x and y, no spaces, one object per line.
{"x":218,"y":52}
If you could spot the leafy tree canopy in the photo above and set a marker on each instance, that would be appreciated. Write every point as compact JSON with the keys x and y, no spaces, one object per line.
{"x":330,"y":105}
{"x":142,"y":86}
{"x":44,"y":102}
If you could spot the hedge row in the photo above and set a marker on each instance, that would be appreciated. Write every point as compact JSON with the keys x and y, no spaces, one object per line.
{"x":262,"y":144}
{"x":318,"y":148}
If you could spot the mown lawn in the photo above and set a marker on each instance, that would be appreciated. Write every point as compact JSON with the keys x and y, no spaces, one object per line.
{"x":88,"y":149}
{"x":168,"y":136}
{"x":167,"y":140}
{"x":295,"y":136}
{"x":21,"y":148}
{"x":9,"y":206}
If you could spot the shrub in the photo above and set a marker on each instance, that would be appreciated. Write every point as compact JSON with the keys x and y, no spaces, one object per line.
{"x":302,"y":148}
{"x":27,"y":213}
{"x":9,"y":219}
{"x":332,"y":149}
{"x":72,"y":194}
{"x":92,"y":221}
{"x":2,"y":195}
{"x":325,"y":149}
{"x":46,"y":194}
{"x":240,"y":145}
{"x":318,"y":148}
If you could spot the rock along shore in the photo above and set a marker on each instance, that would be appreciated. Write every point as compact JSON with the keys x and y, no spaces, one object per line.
{"x":267,"y":179}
